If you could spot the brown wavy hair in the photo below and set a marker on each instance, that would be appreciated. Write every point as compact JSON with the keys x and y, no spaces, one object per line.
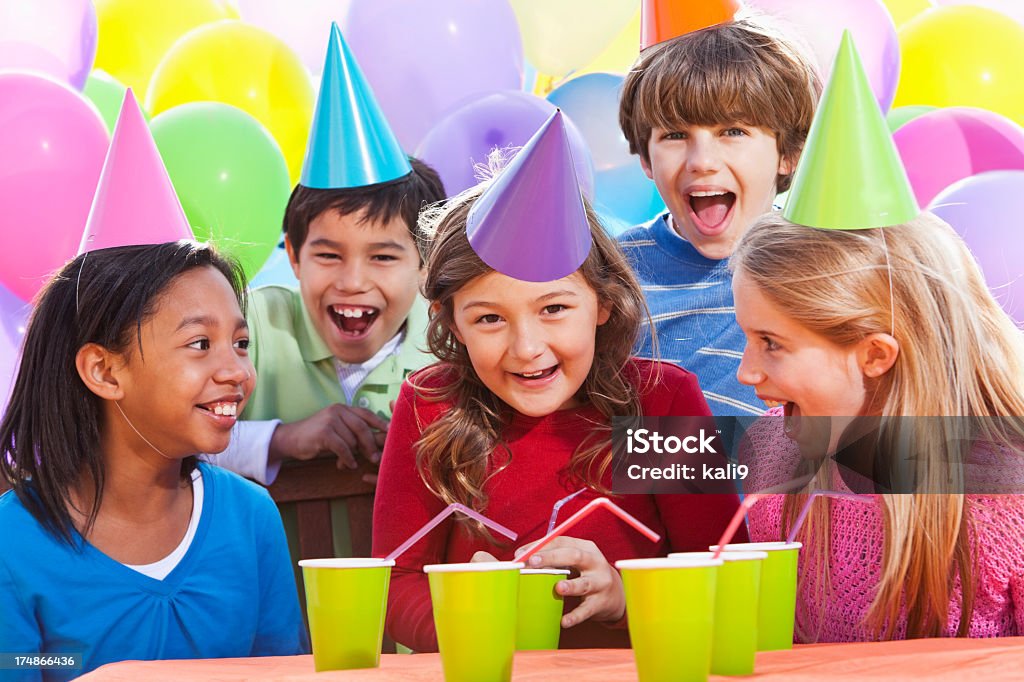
{"x":454,"y":453}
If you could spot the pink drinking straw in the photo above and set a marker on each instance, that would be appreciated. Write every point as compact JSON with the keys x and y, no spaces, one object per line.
{"x":822,"y":493}
{"x":583,"y":513}
{"x":748,"y":502}
{"x":558,"y":506}
{"x":445,"y":513}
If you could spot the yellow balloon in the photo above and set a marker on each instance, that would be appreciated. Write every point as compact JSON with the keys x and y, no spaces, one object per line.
{"x":962,"y":55}
{"x":620,"y":54}
{"x":134,"y":35}
{"x":247,"y":67}
{"x":903,"y":11}
{"x":562,"y":35}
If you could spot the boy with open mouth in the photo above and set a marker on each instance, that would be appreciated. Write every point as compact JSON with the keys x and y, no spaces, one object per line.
{"x":718,"y":115}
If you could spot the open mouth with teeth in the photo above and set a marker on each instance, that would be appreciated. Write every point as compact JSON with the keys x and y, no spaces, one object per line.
{"x":710,"y":209}
{"x":537,"y":375}
{"x":221,"y":409}
{"x":353,"y":320}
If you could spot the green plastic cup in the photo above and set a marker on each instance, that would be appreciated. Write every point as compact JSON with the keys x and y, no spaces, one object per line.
{"x":776,"y":608}
{"x":346,"y":600}
{"x":539,"y":624}
{"x":671,"y":604}
{"x":734,"y":636}
{"x":475,"y":617}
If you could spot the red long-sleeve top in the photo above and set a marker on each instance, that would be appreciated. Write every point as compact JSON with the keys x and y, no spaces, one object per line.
{"x":521,"y":497}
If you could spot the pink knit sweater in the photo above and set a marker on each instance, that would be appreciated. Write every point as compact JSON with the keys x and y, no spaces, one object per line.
{"x":996,"y":525}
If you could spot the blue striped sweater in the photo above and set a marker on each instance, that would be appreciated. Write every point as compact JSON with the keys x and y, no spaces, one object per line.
{"x":691,"y":304}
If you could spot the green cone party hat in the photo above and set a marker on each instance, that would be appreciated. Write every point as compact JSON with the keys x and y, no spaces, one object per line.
{"x":850,"y":175}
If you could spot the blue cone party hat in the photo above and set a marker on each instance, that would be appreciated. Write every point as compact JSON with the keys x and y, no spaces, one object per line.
{"x":531,"y":223}
{"x":135,"y":202}
{"x":350,"y":143}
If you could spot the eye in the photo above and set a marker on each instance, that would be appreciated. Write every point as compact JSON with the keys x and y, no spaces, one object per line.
{"x":242,"y":344}
{"x":770,"y":344}
{"x":674,"y":135}
{"x":383,"y":258}
{"x":734,"y":132}
{"x":555,"y":308}
{"x":327,"y":256}
{"x":490,"y":318}
{"x":200,"y":344}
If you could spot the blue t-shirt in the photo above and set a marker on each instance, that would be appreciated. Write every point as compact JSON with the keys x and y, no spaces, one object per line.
{"x":690,"y":298}
{"x":232,"y":594}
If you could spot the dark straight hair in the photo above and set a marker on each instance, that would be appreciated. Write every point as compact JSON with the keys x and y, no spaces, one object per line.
{"x":50,"y":434}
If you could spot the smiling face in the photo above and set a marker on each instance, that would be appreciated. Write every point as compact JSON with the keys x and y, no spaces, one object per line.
{"x":531,"y":343}
{"x":185,"y":385}
{"x":789,"y":364}
{"x":358,"y":280}
{"x":715,"y":180}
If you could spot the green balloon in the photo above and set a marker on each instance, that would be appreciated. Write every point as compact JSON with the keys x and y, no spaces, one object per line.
{"x":902,"y":115}
{"x":107,"y":93}
{"x":230,"y":176}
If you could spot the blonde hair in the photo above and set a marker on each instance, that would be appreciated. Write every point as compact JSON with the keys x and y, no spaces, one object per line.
{"x":959,"y":355}
{"x":737,"y":72}
{"x":454,"y":452}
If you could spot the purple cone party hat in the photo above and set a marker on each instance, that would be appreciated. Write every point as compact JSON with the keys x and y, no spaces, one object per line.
{"x":531,"y":223}
{"x":350,"y":142}
{"x":850,"y":175}
{"x":135,"y":201}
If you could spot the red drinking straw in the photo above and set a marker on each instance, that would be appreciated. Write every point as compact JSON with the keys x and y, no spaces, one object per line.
{"x":737,"y":519}
{"x":583,"y":513}
{"x":822,"y":493}
{"x":445,"y":513}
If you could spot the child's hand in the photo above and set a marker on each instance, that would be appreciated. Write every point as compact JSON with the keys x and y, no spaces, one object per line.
{"x":337,"y":429}
{"x":482,"y":556}
{"x":598,"y":582}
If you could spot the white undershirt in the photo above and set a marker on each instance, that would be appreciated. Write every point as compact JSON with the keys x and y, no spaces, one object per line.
{"x":159,"y":570}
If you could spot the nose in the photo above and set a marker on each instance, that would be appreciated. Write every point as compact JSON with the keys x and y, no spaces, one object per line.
{"x":702,"y":153}
{"x":234,"y":369}
{"x":750,"y":372}
{"x":526,"y":342}
{"x":351,"y":277}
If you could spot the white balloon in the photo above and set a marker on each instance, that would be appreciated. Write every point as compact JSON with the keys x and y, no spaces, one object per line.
{"x":303,"y":25}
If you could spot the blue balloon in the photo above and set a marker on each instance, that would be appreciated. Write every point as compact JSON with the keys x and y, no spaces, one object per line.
{"x":623,"y":194}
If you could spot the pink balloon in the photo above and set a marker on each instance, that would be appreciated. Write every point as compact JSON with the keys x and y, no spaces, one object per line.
{"x":946,"y":145}
{"x":821,"y":26}
{"x":424,"y":57}
{"x":55,"y":37}
{"x":52,"y":143}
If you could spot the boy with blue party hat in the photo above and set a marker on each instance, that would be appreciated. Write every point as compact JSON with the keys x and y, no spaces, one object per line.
{"x":332,"y":354}
{"x":718,"y":115}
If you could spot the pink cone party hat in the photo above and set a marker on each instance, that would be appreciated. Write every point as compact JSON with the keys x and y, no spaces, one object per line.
{"x":531,"y":224}
{"x":135,"y":201}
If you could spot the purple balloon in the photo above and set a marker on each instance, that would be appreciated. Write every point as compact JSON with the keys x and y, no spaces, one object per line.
{"x":985,"y":210}
{"x":55,"y":37}
{"x":423,"y":58}
{"x":464,"y":138}
{"x":14,"y":314}
{"x":821,"y":26}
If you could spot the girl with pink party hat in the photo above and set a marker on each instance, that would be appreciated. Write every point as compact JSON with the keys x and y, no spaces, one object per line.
{"x":116,"y":541}
{"x":880,"y":338}
{"x":534,"y":315}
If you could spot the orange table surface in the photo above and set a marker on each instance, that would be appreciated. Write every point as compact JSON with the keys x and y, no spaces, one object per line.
{"x":921,"y":659}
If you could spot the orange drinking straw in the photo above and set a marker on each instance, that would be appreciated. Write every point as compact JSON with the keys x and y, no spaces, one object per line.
{"x":584,"y":513}
{"x":445,"y":513}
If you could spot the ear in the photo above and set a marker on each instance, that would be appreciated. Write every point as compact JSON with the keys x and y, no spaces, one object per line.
{"x":99,"y":368}
{"x":787,"y":164}
{"x":435,"y":310}
{"x":293,"y":256}
{"x":876,"y":354}
{"x":604,"y":312}
{"x":646,"y":165}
